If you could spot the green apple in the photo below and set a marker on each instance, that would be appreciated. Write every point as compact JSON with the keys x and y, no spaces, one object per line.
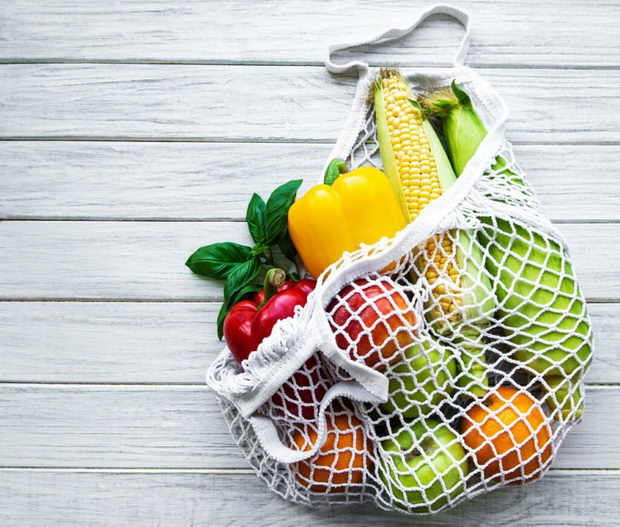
{"x":422,"y":465}
{"x":422,"y":381}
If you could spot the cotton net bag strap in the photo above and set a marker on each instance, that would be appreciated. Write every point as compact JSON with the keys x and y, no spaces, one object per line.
{"x":367,"y":74}
{"x":396,"y":33}
{"x":489,"y":147}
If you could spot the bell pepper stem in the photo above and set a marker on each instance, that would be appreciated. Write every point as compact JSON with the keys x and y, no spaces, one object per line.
{"x":274,"y":278}
{"x":336,"y":167}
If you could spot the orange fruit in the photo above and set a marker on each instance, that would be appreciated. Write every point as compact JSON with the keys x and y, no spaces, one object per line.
{"x":508,"y":433}
{"x":340,"y":461}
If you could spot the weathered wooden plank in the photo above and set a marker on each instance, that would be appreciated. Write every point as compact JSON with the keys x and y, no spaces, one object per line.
{"x":181,"y":426}
{"x":145,"y":260}
{"x":300,"y":31}
{"x":29,"y":498}
{"x":108,"y":259}
{"x":606,"y":359}
{"x":58,"y":179}
{"x":107,"y":342}
{"x":269,"y":103}
{"x":163,"y":342}
{"x":159,"y":180}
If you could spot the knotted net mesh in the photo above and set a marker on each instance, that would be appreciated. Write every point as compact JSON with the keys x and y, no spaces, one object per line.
{"x":482,"y":333}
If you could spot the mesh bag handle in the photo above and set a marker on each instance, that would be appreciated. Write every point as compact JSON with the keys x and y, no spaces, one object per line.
{"x":493,"y":103}
{"x":396,"y":33}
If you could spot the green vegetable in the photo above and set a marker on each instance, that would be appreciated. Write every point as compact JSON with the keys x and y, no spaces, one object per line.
{"x":541,"y":307}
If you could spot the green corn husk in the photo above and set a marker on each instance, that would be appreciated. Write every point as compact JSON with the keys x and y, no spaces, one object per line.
{"x":529,"y":271}
{"x":474,"y":295}
{"x":468,"y":288}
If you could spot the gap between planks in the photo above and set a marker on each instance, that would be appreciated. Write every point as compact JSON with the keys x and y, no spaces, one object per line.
{"x":131,"y":470}
{"x":193,"y":300}
{"x":129,"y":219}
{"x":178,"y":386}
{"x":268,"y":63}
{"x":242,"y":471}
{"x":256,"y":140}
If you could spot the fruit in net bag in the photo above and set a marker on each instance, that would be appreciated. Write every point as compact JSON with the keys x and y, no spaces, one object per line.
{"x":300,"y":396}
{"x":541,"y":307}
{"x":419,"y":383}
{"x":449,"y":264}
{"x":342,"y":460}
{"x":423,"y":464}
{"x":509,"y":435}
{"x":372,"y":320}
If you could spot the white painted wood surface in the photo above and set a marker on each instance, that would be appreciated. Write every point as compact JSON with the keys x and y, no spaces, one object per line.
{"x":88,"y":497}
{"x":131,"y":133}
{"x":159,"y":180}
{"x":555,"y":32}
{"x":270,"y":103}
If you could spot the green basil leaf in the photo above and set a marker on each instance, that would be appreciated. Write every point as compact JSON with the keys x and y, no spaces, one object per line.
{"x":239,"y":278}
{"x":218,"y":260}
{"x":255,"y":217}
{"x":286,"y":246}
{"x":276,"y":210}
{"x":227,"y":306}
{"x":221,"y":316}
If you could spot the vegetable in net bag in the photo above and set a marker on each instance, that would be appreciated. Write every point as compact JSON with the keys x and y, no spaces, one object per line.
{"x":440,"y":362}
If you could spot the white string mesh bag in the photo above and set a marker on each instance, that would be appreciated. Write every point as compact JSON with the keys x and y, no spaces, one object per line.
{"x":374,"y":390}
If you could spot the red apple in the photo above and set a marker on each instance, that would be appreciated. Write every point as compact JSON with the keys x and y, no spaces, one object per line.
{"x":372,"y":321}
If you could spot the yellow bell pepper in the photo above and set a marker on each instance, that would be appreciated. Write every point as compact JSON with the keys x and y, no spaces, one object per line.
{"x":347,"y":210}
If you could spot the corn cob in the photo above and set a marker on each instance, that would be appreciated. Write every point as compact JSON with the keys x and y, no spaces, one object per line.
{"x":460,"y":302}
{"x":529,"y":269}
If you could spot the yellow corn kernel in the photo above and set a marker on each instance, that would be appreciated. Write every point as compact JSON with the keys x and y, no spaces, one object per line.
{"x":416,"y":172}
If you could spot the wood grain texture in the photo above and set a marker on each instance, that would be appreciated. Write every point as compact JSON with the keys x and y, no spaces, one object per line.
{"x":108,"y":342}
{"x":529,"y":32}
{"x":29,"y":498}
{"x":181,"y":426}
{"x":270,"y":103}
{"x":90,"y":180}
{"x":167,"y":342}
{"x":247,"y":104}
{"x":145,"y":260}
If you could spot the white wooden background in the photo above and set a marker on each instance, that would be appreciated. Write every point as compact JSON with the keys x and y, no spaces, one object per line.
{"x":133,"y":132}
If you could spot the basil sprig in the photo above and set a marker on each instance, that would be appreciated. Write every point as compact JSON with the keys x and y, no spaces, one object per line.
{"x":240,"y":266}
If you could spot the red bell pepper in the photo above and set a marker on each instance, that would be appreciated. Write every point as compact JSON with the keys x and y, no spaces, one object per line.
{"x":250,"y":321}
